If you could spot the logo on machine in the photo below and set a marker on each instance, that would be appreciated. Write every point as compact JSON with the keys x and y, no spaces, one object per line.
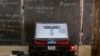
{"x":51,"y":32}
{"x":62,"y":30}
{"x":51,"y":27}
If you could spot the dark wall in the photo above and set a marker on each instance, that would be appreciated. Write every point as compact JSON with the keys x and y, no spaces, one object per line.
{"x":87,"y":22}
{"x":50,"y":10}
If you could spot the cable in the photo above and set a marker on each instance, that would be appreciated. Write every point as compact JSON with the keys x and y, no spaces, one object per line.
{"x":81,"y":24}
{"x":81,"y":21}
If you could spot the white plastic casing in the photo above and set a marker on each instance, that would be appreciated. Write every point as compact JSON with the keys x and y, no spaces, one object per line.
{"x":45,"y":31}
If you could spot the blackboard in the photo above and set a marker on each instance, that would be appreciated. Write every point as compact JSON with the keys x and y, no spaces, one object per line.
{"x":53,"y":10}
{"x":42,"y":10}
{"x":60,"y":10}
{"x":10,"y":22}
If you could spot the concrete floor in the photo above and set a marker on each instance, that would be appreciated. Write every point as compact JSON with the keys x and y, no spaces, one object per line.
{"x":84,"y":50}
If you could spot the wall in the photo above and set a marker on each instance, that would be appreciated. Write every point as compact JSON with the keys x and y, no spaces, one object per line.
{"x":96,"y":29}
{"x":88,"y":21}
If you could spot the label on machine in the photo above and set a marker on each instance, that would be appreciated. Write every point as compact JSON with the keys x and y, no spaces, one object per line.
{"x":51,"y":42}
{"x":51,"y":47}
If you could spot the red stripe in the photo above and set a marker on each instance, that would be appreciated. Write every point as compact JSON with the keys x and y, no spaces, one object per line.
{"x":40,"y":42}
{"x":63,"y":42}
{"x":45,"y":42}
